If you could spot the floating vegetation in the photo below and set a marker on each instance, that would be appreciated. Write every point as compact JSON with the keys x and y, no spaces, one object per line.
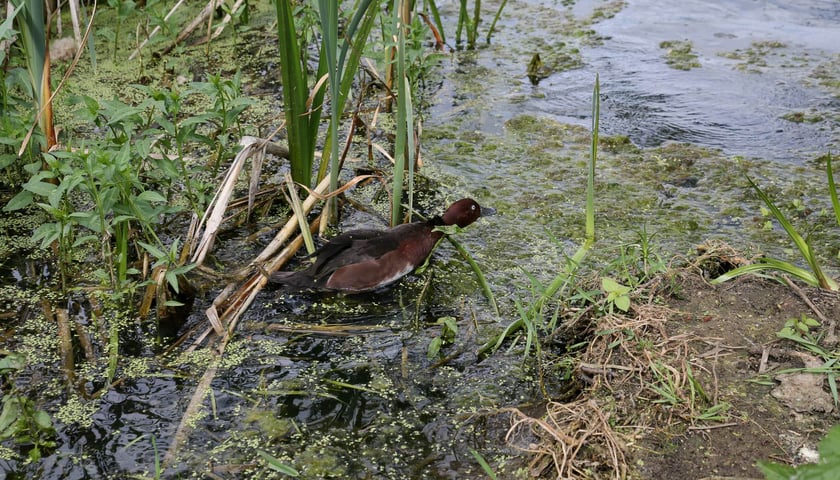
{"x":680,"y":55}
{"x":754,"y":58}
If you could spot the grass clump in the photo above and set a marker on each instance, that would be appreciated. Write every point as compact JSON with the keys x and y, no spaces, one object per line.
{"x":814,"y":275}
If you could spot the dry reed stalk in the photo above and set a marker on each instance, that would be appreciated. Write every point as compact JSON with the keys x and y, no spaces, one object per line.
{"x":202,"y":16}
{"x":328,"y":330}
{"x":155,"y":30}
{"x":238,"y":303}
{"x":212,"y":219}
{"x":65,"y":342}
{"x":157,"y":277}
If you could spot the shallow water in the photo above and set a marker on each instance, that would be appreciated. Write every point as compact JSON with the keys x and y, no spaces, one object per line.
{"x":370,"y":404}
{"x":717,"y":105}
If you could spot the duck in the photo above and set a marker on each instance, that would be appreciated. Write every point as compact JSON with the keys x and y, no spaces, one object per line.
{"x":366,"y":260}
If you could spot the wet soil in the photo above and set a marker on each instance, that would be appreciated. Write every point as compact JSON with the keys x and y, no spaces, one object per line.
{"x":732,"y":327}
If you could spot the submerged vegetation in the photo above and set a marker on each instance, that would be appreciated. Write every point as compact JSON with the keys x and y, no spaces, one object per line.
{"x":128,"y":290}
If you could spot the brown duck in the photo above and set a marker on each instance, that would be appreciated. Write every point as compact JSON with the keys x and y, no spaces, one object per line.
{"x":365,"y":260}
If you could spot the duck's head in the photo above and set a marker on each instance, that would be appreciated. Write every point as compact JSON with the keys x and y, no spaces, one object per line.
{"x":462,"y":213}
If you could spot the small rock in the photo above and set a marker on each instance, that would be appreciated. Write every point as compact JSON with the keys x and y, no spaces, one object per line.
{"x":803,"y":392}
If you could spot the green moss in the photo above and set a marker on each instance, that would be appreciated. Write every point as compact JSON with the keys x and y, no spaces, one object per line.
{"x":754,"y":58}
{"x":803,"y":117}
{"x":679,"y":54}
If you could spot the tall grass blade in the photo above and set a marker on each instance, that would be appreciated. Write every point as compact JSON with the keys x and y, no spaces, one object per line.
{"x":800,"y":242}
{"x":590,"y":183}
{"x":484,"y":465}
{"x":770,"y":264}
{"x":478,"y":273}
{"x":32,"y":26}
{"x":473,"y":32}
{"x":402,"y":130}
{"x":832,"y":188}
{"x":329,"y":28}
{"x":349,"y":58}
{"x":562,"y":279}
{"x":301,"y":123}
{"x":436,"y":15}
{"x":462,"y":21}
{"x":408,"y":106}
{"x":495,"y":20}
{"x":297,"y":209}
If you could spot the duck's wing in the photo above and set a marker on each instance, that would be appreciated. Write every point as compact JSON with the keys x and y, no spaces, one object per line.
{"x":352,"y":247}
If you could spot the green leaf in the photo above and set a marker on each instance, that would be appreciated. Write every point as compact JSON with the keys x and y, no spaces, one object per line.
{"x":830,"y":447}
{"x":832,"y":189}
{"x":609,"y":285}
{"x":47,"y":233}
{"x":802,"y":244}
{"x":42,"y":420}
{"x":622,"y":303}
{"x":155,"y":251}
{"x":10,"y":417}
{"x":811,"y":322}
{"x":275,"y":464}
{"x":12,"y":361}
{"x":22,"y":200}
{"x":172,"y":278}
{"x":82,"y":240}
{"x":151,"y":196}
{"x":39,"y":188}
{"x":484,"y":465}
{"x":434,"y":348}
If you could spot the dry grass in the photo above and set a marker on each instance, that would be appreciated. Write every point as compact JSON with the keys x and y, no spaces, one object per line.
{"x":637,"y":380}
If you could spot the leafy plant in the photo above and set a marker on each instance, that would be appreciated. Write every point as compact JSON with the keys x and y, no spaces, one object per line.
{"x":113,"y":194}
{"x":448,"y":330}
{"x":815,"y":276}
{"x":534,"y":314}
{"x":123,"y":9}
{"x":20,"y":420}
{"x":469,"y":24}
{"x":618,"y":295}
{"x":825,"y":469}
{"x":799,"y":330}
{"x":637,"y":262}
{"x":228,"y":105}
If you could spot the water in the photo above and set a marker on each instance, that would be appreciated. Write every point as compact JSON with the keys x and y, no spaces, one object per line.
{"x":717,"y":105}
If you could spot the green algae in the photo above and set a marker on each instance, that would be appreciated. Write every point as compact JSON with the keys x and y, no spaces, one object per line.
{"x":246,"y":51}
{"x":803,"y":117}
{"x":679,"y":54}
{"x":755,"y":58}
{"x":77,"y":411}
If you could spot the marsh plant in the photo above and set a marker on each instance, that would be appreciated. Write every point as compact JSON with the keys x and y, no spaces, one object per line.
{"x":110,"y":195}
{"x":20,"y":419}
{"x":814,"y":275}
{"x":405,"y":60}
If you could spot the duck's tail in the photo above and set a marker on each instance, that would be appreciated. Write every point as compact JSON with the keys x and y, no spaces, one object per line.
{"x":299,"y":280}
